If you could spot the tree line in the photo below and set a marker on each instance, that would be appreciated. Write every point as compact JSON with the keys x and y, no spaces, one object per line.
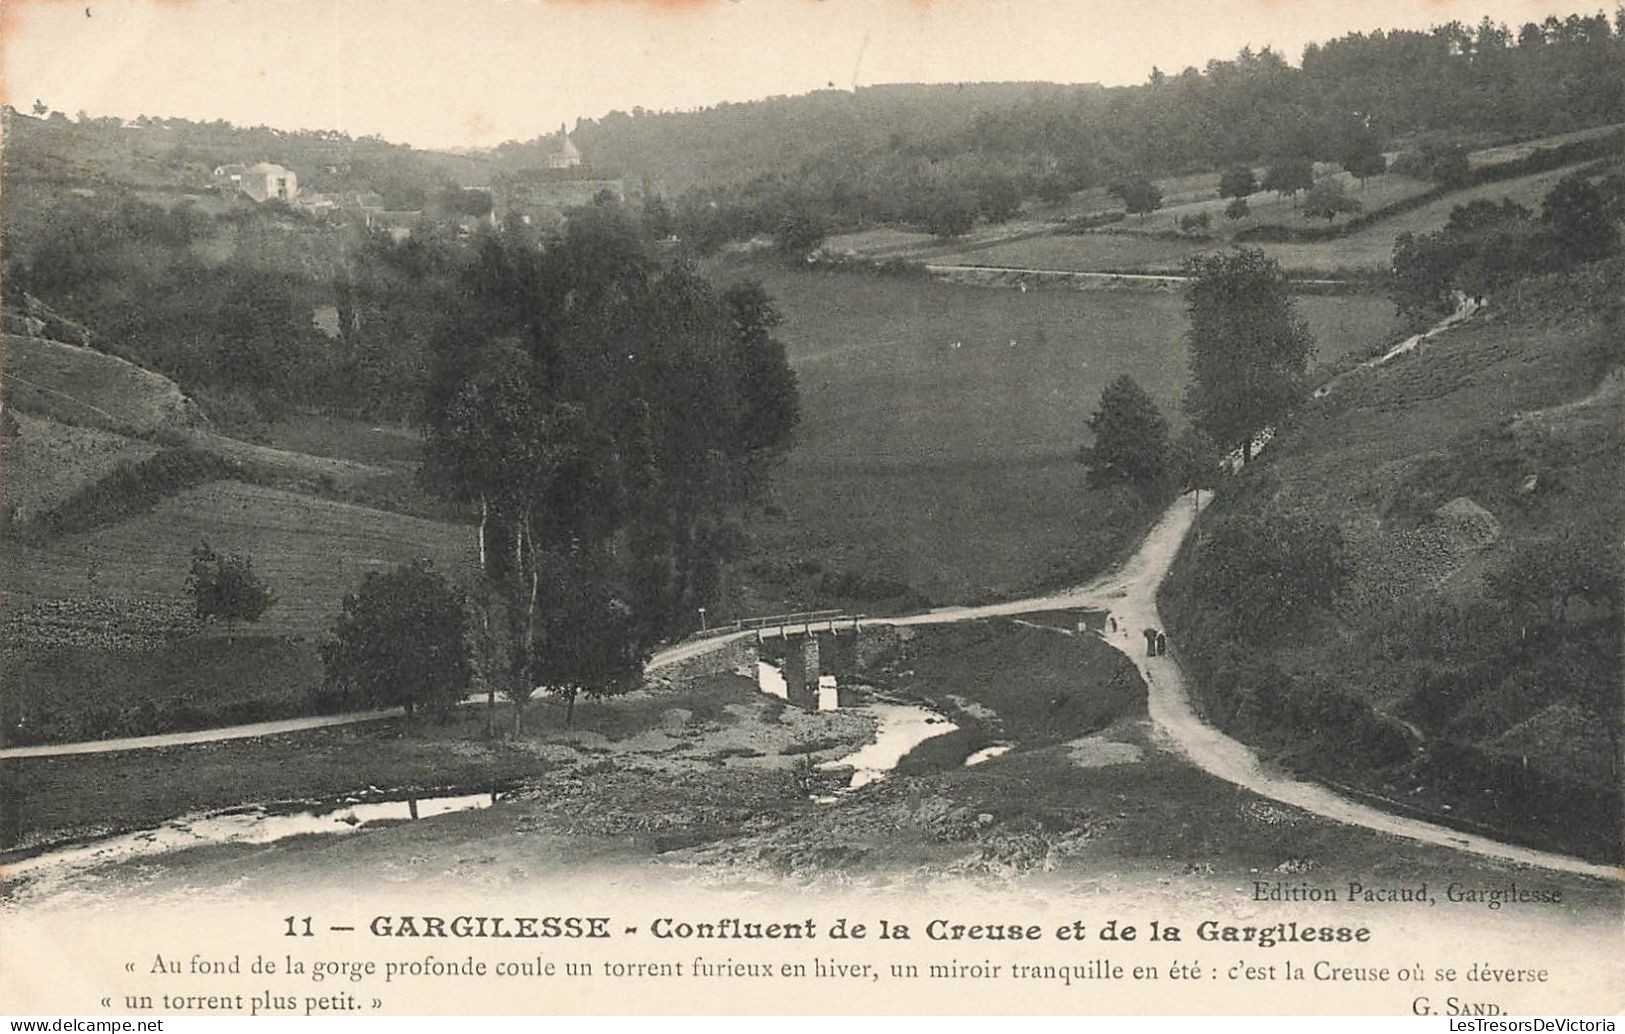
{"x":1486,"y":246}
{"x":872,"y":157}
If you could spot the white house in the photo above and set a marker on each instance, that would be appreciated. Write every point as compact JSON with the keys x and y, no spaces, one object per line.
{"x":267,"y":182}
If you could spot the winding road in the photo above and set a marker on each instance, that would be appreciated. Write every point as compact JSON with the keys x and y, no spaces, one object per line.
{"x":1130,"y":594}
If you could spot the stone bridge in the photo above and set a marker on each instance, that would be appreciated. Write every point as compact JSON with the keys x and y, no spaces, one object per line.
{"x":805,"y":647}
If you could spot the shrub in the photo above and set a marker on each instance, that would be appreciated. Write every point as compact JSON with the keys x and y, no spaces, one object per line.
{"x":226,"y":587}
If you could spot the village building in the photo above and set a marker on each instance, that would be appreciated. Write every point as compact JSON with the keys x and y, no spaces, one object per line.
{"x":317,"y":204}
{"x":229,"y":178}
{"x":565,"y":154}
{"x":543,"y":198}
{"x":266,"y":181}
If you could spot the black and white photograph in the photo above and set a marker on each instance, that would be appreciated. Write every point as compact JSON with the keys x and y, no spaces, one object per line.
{"x":812,"y":507}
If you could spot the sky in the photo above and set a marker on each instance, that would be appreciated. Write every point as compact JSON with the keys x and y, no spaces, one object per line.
{"x":471,"y":73}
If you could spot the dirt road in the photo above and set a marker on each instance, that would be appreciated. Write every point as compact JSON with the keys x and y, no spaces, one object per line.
{"x":1131,"y":595}
{"x":670,"y":655}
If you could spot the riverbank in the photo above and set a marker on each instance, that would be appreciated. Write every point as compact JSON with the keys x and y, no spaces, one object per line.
{"x":710,"y":723}
{"x":717,"y":783}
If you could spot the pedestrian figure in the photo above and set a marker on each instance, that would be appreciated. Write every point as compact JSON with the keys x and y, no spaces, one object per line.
{"x":1150,"y":642}
{"x":1114,"y":623}
{"x":1162,"y":644}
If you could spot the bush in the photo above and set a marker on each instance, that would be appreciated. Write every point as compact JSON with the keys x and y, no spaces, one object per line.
{"x":226,"y":587}
{"x":1273,"y":572}
{"x":802,"y":778}
{"x":1085,"y":223}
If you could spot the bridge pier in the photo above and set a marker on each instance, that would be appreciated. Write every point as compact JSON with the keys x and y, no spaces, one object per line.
{"x":808,"y":650}
{"x":801,"y":670}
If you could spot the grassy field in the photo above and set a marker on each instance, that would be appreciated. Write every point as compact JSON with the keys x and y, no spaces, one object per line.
{"x":90,"y":388}
{"x":92,"y":617}
{"x":1512,"y":152}
{"x":78,"y":401}
{"x":49,"y":460}
{"x":1185,"y":195}
{"x":310,"y":551}
{"x":1370,"y":248}
{"x":1373,"y":247}
{"x":1268,"y":208}
{"x":940,"y":424}
{"x":69,"y":693}
{"x":339,"y":438}
{"x":1084,"y":252}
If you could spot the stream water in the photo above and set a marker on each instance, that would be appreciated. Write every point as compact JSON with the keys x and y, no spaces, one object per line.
{"x":899,"y":728}
{"x":988,"y":753}
{"x":256,"y":824}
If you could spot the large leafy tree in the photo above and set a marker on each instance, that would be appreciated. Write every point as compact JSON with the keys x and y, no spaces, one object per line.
{"x":770,"y":401}
{"x":1249,"y":347}
{"x":401,"y":640}
{"x":1578,"y":215}
{"x":603,"y":415}
{"x":949,"y":213}
{"x":1130,"y":439}
{"x":1237,"y":181}
{"x":1327,"y":200}
{"x":588,"y":641}
{"x":1362,"y":156}
{"x":800,"y":233}
{"x":1140,"y":196}
{"x":1274,"y":571}
{"x":1289,"y":175}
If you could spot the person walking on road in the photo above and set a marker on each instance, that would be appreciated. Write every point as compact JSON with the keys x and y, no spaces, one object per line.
{"x":1150,"y":642}
{"x":1162,"y":644}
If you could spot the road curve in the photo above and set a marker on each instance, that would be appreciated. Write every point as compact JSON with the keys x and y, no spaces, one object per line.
{"x":1130,"y":594}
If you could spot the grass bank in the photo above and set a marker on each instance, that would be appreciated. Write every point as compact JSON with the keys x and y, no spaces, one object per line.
{"x":1474,"y":490}
{"x":1005,"y":682}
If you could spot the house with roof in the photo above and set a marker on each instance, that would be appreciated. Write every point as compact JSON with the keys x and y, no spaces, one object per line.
{"x":266,"y":181}
{"x":229,"y":178}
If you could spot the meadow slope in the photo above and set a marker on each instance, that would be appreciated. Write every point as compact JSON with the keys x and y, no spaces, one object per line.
{"x":940,"y":425}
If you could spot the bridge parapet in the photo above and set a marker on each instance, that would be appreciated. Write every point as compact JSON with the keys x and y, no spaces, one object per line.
{"x":835,"y":624}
